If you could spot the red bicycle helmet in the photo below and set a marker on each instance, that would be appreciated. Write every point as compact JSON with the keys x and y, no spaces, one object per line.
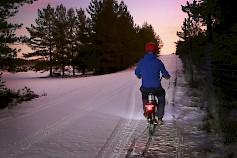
{"x":151,"y":47}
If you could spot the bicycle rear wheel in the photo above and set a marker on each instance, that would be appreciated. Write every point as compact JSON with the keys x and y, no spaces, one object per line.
{"x":151,"y":128}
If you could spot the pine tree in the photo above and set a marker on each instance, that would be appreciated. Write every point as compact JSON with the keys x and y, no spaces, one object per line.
{"x":72,"y":37}
{"x":148,"y":34}
{"x":7,"y":32}
{"x":103,"y":25}
{"x":60,"y":36}
{"x":41,"y":40}
{"x":84,"y":57}
{"x":115,"y":38}
{"x":129,"y":45}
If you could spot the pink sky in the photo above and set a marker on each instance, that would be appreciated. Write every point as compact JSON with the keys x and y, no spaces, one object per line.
{"x":165,"y":16}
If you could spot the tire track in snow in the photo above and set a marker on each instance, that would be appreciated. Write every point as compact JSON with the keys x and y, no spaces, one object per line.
{"x":122,"y":131}
{"x":130,"y":150}
{"x":26,"y":143}
{"x":147,"y":146}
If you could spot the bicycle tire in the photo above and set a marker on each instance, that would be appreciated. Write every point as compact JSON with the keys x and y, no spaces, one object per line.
{"x":151,"y":128}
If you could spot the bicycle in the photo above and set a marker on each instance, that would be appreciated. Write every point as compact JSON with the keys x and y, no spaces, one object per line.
{"x":151,"y":110}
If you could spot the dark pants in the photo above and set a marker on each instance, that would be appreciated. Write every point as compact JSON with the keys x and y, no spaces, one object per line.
{"x":160,"y":95}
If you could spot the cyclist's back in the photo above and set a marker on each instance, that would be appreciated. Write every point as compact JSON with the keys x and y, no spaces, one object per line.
{"x":149,"y":69}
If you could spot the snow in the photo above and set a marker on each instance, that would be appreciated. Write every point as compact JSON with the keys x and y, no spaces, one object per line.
{"x":95,"y":116}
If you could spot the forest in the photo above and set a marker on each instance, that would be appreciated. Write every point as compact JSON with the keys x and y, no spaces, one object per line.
{"x":107,"y":41}
{"x":208,"y":49}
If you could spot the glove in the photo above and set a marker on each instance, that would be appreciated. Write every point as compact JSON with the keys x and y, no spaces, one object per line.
{"x":167,"y":78}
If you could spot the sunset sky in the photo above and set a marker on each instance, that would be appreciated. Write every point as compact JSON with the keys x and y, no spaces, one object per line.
{"x":165,"y":16}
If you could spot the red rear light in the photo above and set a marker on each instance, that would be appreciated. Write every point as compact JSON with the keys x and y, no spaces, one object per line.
{"x":149,"y":107}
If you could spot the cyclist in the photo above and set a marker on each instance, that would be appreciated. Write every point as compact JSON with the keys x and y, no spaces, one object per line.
{"x":149,"y":69}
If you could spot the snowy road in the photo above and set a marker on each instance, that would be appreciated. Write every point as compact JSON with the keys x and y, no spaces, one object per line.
{"x":80,"y":117}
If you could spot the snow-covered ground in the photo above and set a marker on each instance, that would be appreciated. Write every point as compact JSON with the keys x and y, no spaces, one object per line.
{"x":100,"y":116}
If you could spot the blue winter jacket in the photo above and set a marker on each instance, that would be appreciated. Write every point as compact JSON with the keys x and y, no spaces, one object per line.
{"x":149,"y":69}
